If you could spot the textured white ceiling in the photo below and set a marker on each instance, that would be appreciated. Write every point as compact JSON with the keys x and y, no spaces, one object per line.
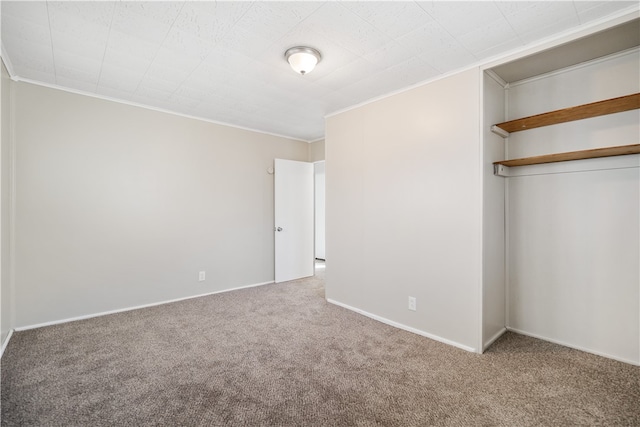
{"x":223,"y":61}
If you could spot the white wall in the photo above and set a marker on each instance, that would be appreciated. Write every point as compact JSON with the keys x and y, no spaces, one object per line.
{"x":493,"y":217}
{"x":6,"y":315}
{"x":316,"y":151}
{"x":118,"y":206}
{"x":574,"y":228}
{"x":404,"y":208}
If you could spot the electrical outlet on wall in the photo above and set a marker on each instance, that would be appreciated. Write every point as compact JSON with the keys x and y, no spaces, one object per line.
{"x":412,"y":303}
{"x":201,"y":276}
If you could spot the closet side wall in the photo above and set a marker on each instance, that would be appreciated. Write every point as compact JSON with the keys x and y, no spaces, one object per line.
{"x":574,"y":227}
{"x":6,"y":289}
{"x":493,"y":219}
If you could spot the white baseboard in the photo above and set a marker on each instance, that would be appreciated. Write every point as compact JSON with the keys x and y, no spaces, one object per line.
{"x":493,"y":339}
{"x":5,"y":343}
{"x":137,"y":307}
{"x":404,"y":327}
{"x":576,"y":347}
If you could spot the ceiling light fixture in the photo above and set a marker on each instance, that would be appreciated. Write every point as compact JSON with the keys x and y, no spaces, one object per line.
{"x":302,"y":59}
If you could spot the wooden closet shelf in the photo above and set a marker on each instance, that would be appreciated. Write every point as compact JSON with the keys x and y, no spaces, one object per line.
{"x":600,"y":108}
{"x":573,"y":155}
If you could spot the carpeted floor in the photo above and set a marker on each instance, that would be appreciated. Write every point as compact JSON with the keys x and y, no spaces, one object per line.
{"x":280,"y":355}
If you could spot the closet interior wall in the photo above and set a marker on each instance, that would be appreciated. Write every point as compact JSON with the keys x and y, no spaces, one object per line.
{"x":573,"y":228}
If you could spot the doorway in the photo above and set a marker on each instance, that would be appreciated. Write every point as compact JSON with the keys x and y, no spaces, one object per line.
{"x":319,"y":183}
{"x":299,"y":228}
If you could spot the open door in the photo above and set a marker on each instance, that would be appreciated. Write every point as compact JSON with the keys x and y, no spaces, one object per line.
{"x":294,"y":228}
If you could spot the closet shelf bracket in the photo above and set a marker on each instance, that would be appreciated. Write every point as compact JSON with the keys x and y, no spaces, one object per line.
{"x":500,"y":170}
{"x":499,"y":131}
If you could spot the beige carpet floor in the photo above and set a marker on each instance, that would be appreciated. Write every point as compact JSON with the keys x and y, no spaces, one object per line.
{"x":279,"y":355}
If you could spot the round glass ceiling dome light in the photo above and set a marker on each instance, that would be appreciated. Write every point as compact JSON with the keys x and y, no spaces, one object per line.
{"x":302,"y":59}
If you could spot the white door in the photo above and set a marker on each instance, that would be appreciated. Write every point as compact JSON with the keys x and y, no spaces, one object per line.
{"x":293,"y":220}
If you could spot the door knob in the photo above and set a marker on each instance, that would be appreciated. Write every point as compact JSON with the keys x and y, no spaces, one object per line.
{"x":278,"y":228}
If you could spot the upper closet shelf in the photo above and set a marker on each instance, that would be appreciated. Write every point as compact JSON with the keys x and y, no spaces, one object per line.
{"x":600,"y":108}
